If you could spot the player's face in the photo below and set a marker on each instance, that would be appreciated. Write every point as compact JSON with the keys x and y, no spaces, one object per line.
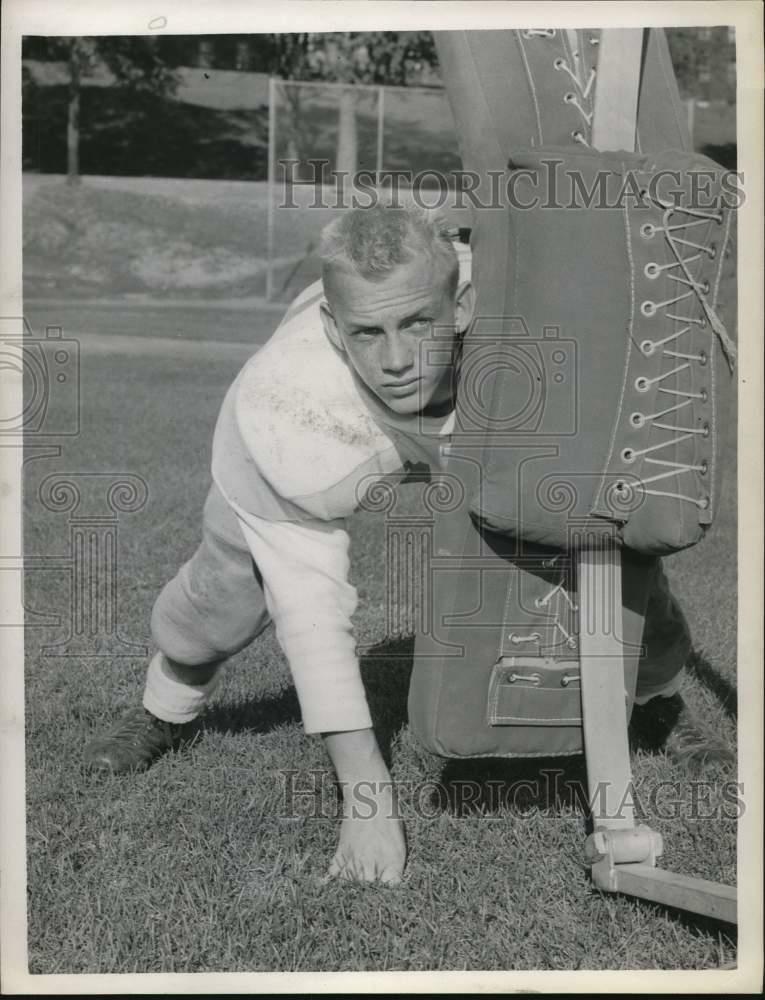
{"x":400,"y":333}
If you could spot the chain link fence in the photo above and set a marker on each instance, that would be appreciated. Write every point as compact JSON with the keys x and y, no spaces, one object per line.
{"x":322,"y":133}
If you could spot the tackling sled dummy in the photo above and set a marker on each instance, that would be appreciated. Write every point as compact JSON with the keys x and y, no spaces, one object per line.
{"x":593,"y":384}
{"x":592,"y":388}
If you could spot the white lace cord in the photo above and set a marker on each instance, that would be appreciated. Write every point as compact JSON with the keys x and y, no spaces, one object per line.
{"x":573,"y":99}
{"x":697,"y":290}
{"x":560,"y":591}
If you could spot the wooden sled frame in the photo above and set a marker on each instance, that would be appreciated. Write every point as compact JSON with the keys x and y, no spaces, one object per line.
{"x":621,"y":853}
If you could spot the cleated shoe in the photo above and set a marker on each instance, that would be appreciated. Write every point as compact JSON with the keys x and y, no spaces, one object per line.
{"x":133,"y":744}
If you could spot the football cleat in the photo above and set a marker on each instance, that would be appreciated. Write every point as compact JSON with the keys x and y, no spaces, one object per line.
{"x":133,"y":744}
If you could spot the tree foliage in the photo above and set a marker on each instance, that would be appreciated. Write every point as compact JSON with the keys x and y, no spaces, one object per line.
{"x":684,"y":47}
{"x":393,"y":58}
{"x":136,"y":61}
{"x":133,"y":60}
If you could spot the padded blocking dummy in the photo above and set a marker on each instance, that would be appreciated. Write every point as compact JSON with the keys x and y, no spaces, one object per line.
{"x":577,"y":320}
{"x":603,"y":331}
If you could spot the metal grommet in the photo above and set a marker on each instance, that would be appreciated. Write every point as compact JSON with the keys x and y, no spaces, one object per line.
{"x":628,"y":456}
{"x":622,"y":491}
{"x":704,"y":396}
{"x":569,"y":97}
{"x":539,"y":602}
{"x":703,"y":323}
{"x":648,"y":308}
{"x":705,"y":287}
{"x":641,"y":383}
{"x":637,"y":419}
{"x":705,"y":431}
{"x":647,"y":347}
{"x":647,"y":230}
{"x":651,"y":270}
{"x":703,"y":358}
{"x":703,"y":503}
{"x":712,"y":251}
{"x":704,"y":467}
{"x":577,"y":136}
{"x":558,"y":63}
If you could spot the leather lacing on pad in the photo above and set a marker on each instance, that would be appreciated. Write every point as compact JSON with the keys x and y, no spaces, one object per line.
{"x":581,"y":98}
{"x":559,"y":594}
{"x":676,"y":221}
{"x":676,"y":224}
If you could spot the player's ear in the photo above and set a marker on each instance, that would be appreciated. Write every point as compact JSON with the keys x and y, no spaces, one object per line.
{"x":464,"y":306}
{"x":330,"y":327}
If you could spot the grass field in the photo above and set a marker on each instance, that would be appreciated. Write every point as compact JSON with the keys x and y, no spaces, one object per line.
{"x":149,"y":238}
{"x":198,"y":865}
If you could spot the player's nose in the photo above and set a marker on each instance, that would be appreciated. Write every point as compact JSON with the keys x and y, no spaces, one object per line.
{"x":398,"y":356}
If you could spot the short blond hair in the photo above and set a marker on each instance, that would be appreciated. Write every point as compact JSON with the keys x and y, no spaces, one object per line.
{"x":372,"y":242}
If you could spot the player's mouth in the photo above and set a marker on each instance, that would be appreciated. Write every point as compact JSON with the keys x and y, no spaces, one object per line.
{"x":405,"y":388}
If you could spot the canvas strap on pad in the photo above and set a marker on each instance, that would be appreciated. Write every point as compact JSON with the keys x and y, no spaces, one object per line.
{"x":599,"y":569}
{"x":616,"y":95}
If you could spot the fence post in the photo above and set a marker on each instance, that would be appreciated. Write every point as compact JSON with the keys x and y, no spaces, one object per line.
{"x":380,"y":133}
{"x":270,"y":188}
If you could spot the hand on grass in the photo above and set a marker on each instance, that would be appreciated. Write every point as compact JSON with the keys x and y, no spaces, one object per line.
{"x":372,"y":846}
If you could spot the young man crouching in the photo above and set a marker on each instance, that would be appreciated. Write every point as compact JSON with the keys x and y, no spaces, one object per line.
{"x":344,"y":392}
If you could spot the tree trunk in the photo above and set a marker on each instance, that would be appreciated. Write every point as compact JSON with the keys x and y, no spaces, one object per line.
{"x":294,"y":129}
{"x":73,"y":118}
{"x":347,"y":137}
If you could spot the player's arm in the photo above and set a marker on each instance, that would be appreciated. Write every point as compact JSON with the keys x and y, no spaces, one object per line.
{"x":305,"y":569}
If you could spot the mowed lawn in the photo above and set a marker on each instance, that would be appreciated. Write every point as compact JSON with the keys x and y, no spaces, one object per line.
{"x":206,"y":863}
